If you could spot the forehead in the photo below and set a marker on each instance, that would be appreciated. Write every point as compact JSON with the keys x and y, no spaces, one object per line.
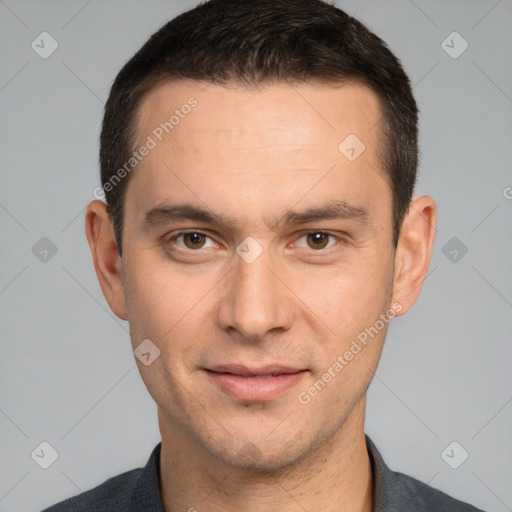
{"x":297,"y":113}
{"x":250,"y":142}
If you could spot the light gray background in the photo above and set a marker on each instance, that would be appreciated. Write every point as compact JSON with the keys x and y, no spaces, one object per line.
{"x":68,"y":375}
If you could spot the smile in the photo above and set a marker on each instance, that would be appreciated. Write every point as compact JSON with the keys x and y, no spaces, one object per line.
{"x":257,"y":384}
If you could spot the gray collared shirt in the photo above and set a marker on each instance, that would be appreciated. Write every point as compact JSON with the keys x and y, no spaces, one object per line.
{"x":138,"y":491}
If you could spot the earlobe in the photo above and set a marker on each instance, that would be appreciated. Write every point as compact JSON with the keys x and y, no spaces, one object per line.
{"x":107,"y":262}
{"x":414,"y":250}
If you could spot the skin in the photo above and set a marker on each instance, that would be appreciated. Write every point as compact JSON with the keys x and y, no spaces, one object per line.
{"x":252,"y":155}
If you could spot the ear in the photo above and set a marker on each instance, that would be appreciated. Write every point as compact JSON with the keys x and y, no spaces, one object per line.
{"x":414,"y":249}
{"x":107,"y":262}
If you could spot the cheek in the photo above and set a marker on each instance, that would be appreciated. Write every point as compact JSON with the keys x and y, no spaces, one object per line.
{"x":349,"y":297}
{"x":165,"y":310}
{"x":149,"y":299}
{"x":166,"y":305}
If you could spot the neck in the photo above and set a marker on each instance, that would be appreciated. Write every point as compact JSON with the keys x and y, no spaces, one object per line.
{"x":336,"y":476}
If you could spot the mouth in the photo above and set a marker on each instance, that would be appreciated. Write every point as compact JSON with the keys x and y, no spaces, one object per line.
{"x":255,"y":384}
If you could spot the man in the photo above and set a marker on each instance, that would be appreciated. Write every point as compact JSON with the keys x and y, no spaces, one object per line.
{"x":259,"y":234}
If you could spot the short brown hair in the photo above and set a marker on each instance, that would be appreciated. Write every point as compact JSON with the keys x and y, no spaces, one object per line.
{"x":255,"y":42}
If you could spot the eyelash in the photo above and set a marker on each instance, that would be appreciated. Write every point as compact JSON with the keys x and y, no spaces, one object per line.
{"x":318,"y":251}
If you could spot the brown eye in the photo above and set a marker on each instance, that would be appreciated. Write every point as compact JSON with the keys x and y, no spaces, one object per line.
{"x":194,"y":240}
{"x":317,"y":240}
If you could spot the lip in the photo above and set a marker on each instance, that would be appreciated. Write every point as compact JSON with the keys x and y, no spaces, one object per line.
{"x":245,"y":371}
{"x":255,"y":384}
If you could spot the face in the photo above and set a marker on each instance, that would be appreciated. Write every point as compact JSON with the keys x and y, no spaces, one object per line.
{"x":257,"y":258}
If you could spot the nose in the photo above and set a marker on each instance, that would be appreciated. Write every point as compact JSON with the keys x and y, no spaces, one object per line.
{"x":255,"y":301}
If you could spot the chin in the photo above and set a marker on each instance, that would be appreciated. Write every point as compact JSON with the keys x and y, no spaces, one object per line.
{"x":262,"y":456}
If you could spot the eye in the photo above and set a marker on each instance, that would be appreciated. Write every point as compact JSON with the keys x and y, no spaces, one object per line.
{"x":318,"y":240}
{"x":191,"y":240}
{"x":195,"y":240}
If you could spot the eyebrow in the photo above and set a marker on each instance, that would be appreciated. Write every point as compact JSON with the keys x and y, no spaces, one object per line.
{"x":340,"y":210}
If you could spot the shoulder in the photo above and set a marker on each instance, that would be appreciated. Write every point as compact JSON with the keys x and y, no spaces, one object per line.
{"x":427,"y":498}
{"x":112,"y":495}
{"x":397,"y":491}
{"x":135,"y":490}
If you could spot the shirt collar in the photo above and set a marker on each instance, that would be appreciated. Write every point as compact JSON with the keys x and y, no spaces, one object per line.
{"x":146,"y":494}
{"x":390,"y":491}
